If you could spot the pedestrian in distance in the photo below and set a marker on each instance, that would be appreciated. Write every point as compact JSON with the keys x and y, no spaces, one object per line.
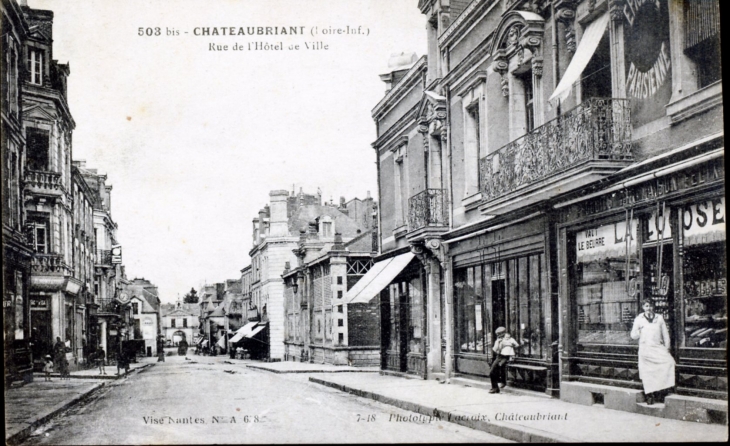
{"x":59,"y":358}
{"x":100,"y":360}
{"x":48,"y":367}
{"x":656,"y":364}
{"x":504,"y":351}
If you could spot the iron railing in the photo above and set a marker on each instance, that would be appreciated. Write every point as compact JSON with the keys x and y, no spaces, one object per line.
{"x":103,"y":257}
{"x":597,"y":129}
{"x":428,"y":208}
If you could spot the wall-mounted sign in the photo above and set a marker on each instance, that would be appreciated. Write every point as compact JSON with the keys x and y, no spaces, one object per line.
{"x":39,"y":303}
{"x":648,"y":59}
{"x":148,"y":321}
{"x":607,"y":241}
{"x":704,"y":222}
{"x":116,"y":254}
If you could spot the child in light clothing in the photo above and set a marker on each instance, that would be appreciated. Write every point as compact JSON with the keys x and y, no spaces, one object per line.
{"x":504,"y":350}
{"x":48,"y":368}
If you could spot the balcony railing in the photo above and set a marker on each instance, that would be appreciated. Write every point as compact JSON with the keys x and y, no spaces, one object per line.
{"x":599,"y":129}
{"x":428,"y":208}
{"x":108,"y":306}
{"x":103,"y":257}
{"x":44,"y":182}
{"x":49,"y":264}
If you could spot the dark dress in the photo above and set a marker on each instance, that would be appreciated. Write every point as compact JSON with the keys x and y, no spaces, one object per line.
{"x":59,"y":358}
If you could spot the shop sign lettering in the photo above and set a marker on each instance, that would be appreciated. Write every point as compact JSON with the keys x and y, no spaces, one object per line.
{"x":704,"y":218}
{"x":608,"y":240}
{"x":39,"y":303}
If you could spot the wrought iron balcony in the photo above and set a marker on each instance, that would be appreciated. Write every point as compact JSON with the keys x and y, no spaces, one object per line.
{"x":44,"y":183}
{"x":109,"y":306}
{"x":582,"y":145}
{"x":103,"y":257}
{"x":49,"y":264}
{"x":428,"y":209}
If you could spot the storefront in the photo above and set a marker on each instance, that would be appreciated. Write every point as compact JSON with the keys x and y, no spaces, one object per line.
{"x":501,"y":279}
{"x":663,"y":240}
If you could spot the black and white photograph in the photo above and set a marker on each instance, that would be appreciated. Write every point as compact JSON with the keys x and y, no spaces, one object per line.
{"x":363,"y":221}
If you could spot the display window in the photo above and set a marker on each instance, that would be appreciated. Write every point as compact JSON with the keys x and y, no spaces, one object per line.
{"x":470,"y":310}
{"x":704,"y":274}
{"x":607,"y":269}
{"x":510,"y":294}
{"x":415,"y":315}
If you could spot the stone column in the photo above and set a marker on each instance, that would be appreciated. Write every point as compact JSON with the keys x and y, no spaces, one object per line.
{"x":433,"y":330}
{"x":102,"y":335}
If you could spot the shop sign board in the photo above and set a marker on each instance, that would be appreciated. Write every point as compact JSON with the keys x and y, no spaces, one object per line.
{"x":704,"y":222}
{"x":605,"y":241}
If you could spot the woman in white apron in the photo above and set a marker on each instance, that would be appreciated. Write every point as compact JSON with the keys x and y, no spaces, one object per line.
{"x":656,"y":365}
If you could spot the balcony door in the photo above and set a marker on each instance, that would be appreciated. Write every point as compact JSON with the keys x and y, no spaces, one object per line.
{"x":596,"y":78}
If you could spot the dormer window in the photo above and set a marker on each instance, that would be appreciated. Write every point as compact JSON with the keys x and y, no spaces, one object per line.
{"x":35,"y":66}
{"x":326,"y":227}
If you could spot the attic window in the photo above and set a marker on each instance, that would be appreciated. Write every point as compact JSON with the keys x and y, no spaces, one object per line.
{"x":35,"y":66}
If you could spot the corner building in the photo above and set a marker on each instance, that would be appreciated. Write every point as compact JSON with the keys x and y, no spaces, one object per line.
{"x":544,"y":168}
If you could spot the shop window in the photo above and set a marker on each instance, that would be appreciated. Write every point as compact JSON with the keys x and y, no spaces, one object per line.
{"x":606,"y":275}
{"x":37,"y":144}
{"x":394,"y":314}
{"x":596,"y":77}
{"x":415,"y":323}
{"x":704,"y":274}
{"x":470,"y":310}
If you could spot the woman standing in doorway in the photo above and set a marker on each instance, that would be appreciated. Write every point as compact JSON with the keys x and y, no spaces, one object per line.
{"x":656,"y":365}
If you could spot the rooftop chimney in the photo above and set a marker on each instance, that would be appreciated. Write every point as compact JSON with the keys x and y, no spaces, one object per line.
{"x":278,"y":226}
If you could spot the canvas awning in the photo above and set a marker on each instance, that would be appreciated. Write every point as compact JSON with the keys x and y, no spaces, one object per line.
{"x":241,"y":332}
{"x":379,"y":276}
{"x":221,"y":342}
{"x":587,"y":46}
{"x":254,"y":332}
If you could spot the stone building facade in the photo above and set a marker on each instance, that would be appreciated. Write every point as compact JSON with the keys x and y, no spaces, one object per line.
{"x":544,"y":168}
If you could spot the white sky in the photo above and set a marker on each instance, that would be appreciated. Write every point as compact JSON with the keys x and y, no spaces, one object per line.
{"x":193,"y":141}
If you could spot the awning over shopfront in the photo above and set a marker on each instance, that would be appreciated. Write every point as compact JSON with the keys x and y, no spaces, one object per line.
{"x":255,"y":331}
{"x":243,"y":331}
{"x":587,"y":46}
{"x":379,"y":276}
{"x":221,"y":342}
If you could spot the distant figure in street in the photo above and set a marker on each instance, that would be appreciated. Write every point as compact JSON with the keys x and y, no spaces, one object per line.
{"x":656,"y":364}
{"x":59,"y":357}
{"x":48,"y":368}
{"x":239,"y":352}
{"x":182,"y":348}
{"x":504,"y":350}
{"x":160,"y":350}
{"x":100,"y":360}
{"x":123,"y":362}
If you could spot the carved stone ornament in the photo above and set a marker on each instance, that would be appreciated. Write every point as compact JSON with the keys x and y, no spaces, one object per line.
{"x":444,"y":134}
{"x":423,"y":125}
{"x":565,"y":13}
{"x":501,"y":66}
{"x":537,"y":63}
{"x":513,"y":35}
{"x":615,"y":8}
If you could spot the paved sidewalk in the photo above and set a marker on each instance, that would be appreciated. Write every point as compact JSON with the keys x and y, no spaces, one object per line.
{"x":29,"y":406}
{"x":111,"y":372}
{"x":520,"y":417}
{"x":305,"y":367}
{"x":33,"y":404}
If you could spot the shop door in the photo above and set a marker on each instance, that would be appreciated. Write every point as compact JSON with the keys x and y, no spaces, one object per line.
{"x":403,"y":325}
{"x":659,"y":280}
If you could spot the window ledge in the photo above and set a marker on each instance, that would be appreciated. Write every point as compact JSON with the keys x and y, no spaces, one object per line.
{"x":400,"y":231}
{"x":472,"y":201}
{"x":695,"y":103}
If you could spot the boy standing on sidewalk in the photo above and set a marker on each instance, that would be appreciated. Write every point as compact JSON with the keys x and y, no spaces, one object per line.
{"x":48,"y":368}
{"x":504,"y":349}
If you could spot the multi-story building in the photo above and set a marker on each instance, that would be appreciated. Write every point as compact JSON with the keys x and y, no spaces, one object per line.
{"x":546,"y":167}
{"x":179,"y":322}
{"x":248,"y":313}
{"x":106,"y":311}
{"x":55,"y":289}
{"x":145,"y":315}
{"x":320,"y":326}
{"x":17,"y":251}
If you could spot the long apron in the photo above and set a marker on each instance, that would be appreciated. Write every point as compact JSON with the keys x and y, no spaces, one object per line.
{"x":656,"y":364}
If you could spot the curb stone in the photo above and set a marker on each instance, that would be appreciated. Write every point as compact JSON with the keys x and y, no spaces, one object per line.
{"x":509,"y":431}
{"x":265,"y":369}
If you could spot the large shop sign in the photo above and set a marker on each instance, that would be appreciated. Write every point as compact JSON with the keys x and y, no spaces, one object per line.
{"x":605,"y":241}
{"x":648,"y":59}
{"x":704,"y":222}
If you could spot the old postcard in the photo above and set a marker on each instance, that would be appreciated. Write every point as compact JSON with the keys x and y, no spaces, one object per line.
{"x":363,"y":221}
